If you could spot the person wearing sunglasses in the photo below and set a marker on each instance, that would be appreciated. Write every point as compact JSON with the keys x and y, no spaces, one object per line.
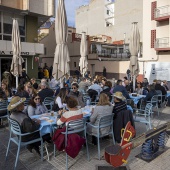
{"x":36,"y":106}
{"x":76,"y":94}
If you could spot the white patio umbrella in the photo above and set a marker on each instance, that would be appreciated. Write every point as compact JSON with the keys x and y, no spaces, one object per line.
{"x":17,"y":60}
{"x":134,"y":48}
{"x":61,"y":66}
{"x":83,"y":52}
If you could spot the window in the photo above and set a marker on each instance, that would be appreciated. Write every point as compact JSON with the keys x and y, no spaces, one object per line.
{"x":7,"y":25}
{"x":45,"y":50}
{"x":108,"y":24}
{"x":74,"y":64}
{"x":108,"y":12}
{"x":120,"y":50}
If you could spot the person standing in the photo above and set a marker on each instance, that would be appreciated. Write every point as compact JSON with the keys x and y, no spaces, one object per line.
{"x":128,"y":74}
{"x":104,"y":71}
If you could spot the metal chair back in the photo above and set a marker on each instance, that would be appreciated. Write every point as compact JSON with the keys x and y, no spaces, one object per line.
{"x":106,"y":121}
{"x":15,"y":127}
{"x":26,"y":102}
{"x":148,"y":109}
{"x":75,"y":126}
{"x":48,"y":102}
{"x":3,"y":105}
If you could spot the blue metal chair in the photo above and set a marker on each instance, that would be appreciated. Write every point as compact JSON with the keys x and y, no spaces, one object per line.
{"x":16,"y":130}
{"x":48,"y":102}
{"x":154,"y":102}
{"x":27,"y":101}
{"x":144,"y":116}
{"x":3,"y":108}
{"x":105,"y":121}
{"x":75,"y":126}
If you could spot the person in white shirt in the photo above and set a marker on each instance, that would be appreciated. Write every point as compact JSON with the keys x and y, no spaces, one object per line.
{"x":60,"y":100}
{"x":96,"y":87}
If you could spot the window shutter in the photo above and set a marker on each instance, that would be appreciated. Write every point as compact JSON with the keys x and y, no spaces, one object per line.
{"x":153,"y":7}
{"x":153,"y":38}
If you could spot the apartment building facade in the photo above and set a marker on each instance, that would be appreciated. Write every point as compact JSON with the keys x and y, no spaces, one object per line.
{"x":31,"y":15}
{"x":93,"y":19}
{"x":156,"y":38}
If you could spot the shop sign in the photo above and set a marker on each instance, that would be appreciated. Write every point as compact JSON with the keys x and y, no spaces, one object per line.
{"x":11,"y":53}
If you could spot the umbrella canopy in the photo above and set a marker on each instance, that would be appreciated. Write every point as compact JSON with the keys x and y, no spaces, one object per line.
{"x":134,"y":47}
{"x":61,"y":58}
{"x":17,"y":60}
{"x":83,"y":52}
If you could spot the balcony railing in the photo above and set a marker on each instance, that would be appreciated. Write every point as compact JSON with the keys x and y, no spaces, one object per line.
{"x":162,"y":42}
{"x":162,"y":11}
{"x":115,"y":55}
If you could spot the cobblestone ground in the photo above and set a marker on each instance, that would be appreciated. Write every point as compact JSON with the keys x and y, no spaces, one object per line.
{"x":28,"y":161}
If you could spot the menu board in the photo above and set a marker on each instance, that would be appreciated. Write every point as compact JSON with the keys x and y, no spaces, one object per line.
{"x":157,"y":70}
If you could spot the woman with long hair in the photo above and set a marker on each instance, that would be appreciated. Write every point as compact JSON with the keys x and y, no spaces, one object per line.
{"x":36,"y":107}
{"x":21,"y":92}
{"x":6,"y":90}
{"x":103,"y":108}
{"x":60,"y":100}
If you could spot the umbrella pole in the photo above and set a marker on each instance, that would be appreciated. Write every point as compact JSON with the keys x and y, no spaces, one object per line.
{"x":61,"y":83}
{"x":134,"y":82}
{"x":16,"y":81}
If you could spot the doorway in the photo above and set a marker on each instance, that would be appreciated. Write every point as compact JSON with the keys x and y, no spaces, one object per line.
{"x":5,"y":64}
{"x":93,"y":70}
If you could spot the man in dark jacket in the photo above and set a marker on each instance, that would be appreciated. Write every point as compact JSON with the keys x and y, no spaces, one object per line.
{"x":161,"y":88}
{"x":45,"y":91}
{"x":119,"y":87}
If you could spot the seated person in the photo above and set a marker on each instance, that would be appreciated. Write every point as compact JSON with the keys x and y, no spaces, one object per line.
{"x":73,"y":112}
{"x":120,"y":88}
{"x":2,"y":112}
{"x":120,"y":103}
{"x":77,"y":95}
{"x":128,"y":86}
{"x":148,"y":97}
{"x":21,"y":92}
{"x":107,"y":88}
{"x":45,"y":91}
{"x":103,"y":108}
{"x":165,"y":85}
{"x":60,"y":100}
{"x":34,"y":84}
{"x":162,"y":89}
{"x":36,"y":107}
{"x":139,"y":89}
{"x":16,"y":108}
{"x":6,"y":90}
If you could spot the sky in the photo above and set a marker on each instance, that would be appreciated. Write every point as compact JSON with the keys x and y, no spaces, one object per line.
{"x":71,"y":6}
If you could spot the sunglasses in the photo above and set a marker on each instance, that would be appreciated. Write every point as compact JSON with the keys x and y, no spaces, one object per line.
{"x":37,"y":98}
{"x":74,"y":87}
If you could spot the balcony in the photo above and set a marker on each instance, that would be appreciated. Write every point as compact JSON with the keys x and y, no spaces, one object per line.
{"x":162,"y":13}
{"x":162,"y":44}
{"x":105,"y":55}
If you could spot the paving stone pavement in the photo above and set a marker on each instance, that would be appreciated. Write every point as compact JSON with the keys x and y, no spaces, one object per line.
{"x":27,"y":161}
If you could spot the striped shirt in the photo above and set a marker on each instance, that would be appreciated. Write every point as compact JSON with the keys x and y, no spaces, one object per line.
{"x":119,"y":106}
{"x":70,"y":115}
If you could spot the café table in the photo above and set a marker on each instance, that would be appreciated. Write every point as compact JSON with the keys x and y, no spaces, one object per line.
{"x":47,"y":122}
{"x":136,"y":98}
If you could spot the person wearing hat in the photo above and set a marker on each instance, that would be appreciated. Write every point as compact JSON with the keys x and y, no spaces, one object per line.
{"x":120,"y":103}
{"x":16,"y":107}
